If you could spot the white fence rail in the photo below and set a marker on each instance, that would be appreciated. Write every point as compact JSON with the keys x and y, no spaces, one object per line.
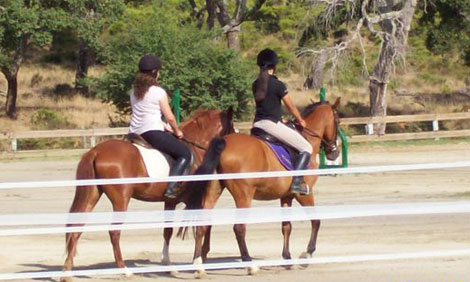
{"x":129,"y":220}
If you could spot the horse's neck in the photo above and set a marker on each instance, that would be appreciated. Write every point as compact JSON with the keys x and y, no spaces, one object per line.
{"x":317,"y":124}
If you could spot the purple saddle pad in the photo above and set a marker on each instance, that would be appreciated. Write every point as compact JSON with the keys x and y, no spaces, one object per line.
{"x":282,"y":154}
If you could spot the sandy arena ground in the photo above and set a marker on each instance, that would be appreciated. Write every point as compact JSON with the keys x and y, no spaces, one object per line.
{"x":374,"y":235}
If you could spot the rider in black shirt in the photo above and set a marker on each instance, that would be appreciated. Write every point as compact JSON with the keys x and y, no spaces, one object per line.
{"x":269,"y":92}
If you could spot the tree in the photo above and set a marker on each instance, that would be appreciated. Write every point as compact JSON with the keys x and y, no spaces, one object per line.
{"x":393,"y":18}
{"x":449,"y":23}
{"x":207,"y":75}
{"x":22,"y":24}
{"x":231,"y":25}
{"x":89,"y":18}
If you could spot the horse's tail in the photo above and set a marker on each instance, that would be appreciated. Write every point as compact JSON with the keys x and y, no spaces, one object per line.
{"x":210,"y":162}
{"x":197,"y":189}
{"x":84,"y":194}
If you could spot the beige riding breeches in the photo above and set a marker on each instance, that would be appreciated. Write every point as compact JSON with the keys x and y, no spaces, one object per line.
{"x":285,"y":134}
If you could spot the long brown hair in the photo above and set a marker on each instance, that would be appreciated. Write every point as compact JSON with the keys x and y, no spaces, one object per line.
{"x":143,"y":81}
{"x":261,"y":88}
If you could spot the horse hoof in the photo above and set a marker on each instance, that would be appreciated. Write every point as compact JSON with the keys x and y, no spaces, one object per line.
{"x":166,"y":261}
{"x":200,"y":272}
{"x":127,"y":273}
{"x":253,"y":270}
{"x":66,"y":279}
{"x":305,"y":255}
{"x":290,"y":267}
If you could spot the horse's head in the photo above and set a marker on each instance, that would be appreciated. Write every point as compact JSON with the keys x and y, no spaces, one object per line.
{"x":322,"y":123}
{"x":204,"y":125}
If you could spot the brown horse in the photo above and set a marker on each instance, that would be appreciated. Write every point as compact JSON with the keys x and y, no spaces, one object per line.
{"x":238,"y":153}
{"x":119,"y":159}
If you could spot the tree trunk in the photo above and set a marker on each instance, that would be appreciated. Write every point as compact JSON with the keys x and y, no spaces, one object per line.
{"x":378,"y":84}
{"x":232,"y":39}
{"x":315,"y":78}
{"x":394,"y":43}
{"x":12,"y":94}
{"x":82,"y":68}
{"x":211,"y":13}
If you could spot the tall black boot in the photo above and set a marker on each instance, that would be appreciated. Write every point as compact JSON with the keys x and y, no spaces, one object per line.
{"x":300,"y":164}
{"x":178,"y":169}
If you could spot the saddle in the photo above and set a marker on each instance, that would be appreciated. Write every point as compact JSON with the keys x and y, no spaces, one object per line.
{"x":153,"y":158}
{"x":137,"y":139}
{"x":286,"y":154}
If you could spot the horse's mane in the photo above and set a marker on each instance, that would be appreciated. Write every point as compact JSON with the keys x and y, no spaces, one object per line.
{"x":197,"y":114}
{"x":310,"y":108}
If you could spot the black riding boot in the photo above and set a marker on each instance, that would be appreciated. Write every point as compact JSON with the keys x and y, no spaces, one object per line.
{"x":178,"y":169}
{"x":300,"y":164}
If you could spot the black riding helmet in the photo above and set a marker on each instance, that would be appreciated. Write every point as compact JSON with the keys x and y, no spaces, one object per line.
{"x":149,"y":63}
{"x":267,"y":58}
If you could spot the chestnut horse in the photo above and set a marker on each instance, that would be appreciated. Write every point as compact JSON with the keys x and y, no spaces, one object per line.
{"x":239,"y":153}
{"x":121,"y":159}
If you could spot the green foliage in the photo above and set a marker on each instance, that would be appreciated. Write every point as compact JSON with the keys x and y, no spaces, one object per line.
{"x":45,"y":119}
{"x":208,"y":76}
{"x":24,"y":23}
{"x":283,"y":17}
{"x":448,"y":25}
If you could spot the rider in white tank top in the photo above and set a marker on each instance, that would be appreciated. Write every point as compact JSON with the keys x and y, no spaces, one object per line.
{"x":146,"y":113}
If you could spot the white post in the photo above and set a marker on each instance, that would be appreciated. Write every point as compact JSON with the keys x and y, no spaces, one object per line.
{"x":92,"y":141}
{"x":369,"y":129}
{"x":435,"y":127}
{"x":14,"y":144}
{"x":84,"y":142}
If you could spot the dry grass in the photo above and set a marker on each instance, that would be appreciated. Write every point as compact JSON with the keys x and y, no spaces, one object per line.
{"x":36,"y":91}
{"x":37,"y":85}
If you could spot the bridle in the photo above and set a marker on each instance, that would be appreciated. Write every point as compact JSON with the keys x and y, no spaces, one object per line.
{"x":327,"y":144}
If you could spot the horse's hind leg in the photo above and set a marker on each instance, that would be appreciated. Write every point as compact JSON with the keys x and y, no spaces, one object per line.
{"x":308,"y":201}
{"x":119,"y":205}
{"x":286,"y":231}
{"x":85,"y":200}
{"x":214,"y":190}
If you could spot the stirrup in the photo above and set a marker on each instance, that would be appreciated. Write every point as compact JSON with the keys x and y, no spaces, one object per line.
{"x":304,"y":190}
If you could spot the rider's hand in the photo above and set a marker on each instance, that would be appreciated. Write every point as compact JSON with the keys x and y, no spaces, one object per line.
{"x":178,"y":133}
{"x":302,"y":123}
{"x":168,"y":128}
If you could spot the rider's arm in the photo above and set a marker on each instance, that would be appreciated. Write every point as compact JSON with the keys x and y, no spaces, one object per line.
{"x":293,"y":109}
{"x":169,"y":116}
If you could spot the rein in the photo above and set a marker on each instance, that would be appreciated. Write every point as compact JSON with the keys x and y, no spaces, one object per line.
{"x":313,"y":134}
{"x":189,"y":141}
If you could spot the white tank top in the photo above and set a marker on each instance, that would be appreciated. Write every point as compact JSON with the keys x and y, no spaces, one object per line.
{"x":146,"y":113}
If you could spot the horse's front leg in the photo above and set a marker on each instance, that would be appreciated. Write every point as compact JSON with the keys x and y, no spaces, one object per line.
{"x":207,"y":244}
{"x":240,"y":233}
{"x":167,"y":233}
{"x":286,"y":231}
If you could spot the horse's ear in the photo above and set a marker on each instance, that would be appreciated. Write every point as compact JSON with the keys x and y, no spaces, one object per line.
{"x":336,"y":104}
{"x":230,"y":113}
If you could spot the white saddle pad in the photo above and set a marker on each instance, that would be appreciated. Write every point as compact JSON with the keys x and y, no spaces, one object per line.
{"x":155,"y":162}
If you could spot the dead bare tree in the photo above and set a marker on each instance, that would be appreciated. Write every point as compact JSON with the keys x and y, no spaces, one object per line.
{"x":388,"y":20}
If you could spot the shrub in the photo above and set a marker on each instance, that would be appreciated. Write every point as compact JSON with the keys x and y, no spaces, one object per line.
{"x":44,"y":119}
{"x":208,"y":76}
